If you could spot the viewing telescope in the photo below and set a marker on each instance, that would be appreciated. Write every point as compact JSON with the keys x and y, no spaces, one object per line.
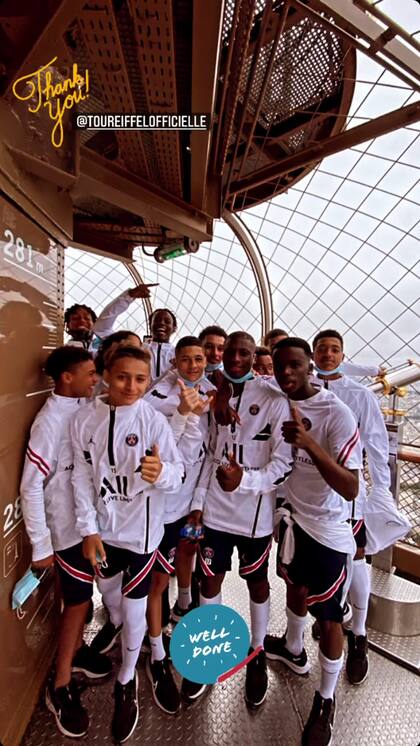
{"x":402,"y":376}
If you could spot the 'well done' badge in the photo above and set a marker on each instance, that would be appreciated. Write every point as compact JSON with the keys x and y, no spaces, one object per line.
{"x":210,"y":644}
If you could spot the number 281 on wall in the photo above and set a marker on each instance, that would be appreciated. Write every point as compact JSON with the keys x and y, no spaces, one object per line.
{"x":20,"y":253}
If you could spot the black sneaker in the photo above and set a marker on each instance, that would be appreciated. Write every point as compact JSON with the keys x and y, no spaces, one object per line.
{"x":319,"y":727}
{"x":357,"y":663}
{"x":177,"y":613}
{"x":164,"y":689}
{"x":276,"y":650}
{"x":347,"y":615}
{"x":126,"y":710}
{"x":191,"y":691}
{"x":71,"y":718}
{"x":94,"y":665}
{"x":256,"y":682}
{"x":106,"y":638}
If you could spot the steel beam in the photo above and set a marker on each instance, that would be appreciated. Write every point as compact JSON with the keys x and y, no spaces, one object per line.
{"x":45,"y":47}
{"x":354,"y":25}
{"x":247,"y":92}
{"x":355,"y":136}
{"x":250,"y":246}
{"x":207,"y":30}
{"x":113,"y":184}
{"x":277,"y":29}
{"x":106,"y":244}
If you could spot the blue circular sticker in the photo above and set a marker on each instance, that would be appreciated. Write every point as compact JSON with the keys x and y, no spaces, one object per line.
{"x":208,"y":642}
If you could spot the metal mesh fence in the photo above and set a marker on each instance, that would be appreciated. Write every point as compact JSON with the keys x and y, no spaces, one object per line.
{"x":410,"y":498}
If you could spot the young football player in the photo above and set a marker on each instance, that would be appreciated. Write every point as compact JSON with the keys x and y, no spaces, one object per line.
{"x":126,"y":462}
{"x":163,"y":325}
{"x":87,"y":330}
{"x":247,"y":458}
{"x":50,"y":521}
{"x":180,"y":394}
{"x":213,"y":339}
{"x":316,"y":542}
{"x":328,"y":357}
{"x":263,"y":362}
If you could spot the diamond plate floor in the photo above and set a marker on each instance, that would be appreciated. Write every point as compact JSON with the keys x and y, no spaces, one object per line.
{"x":384,"y":711}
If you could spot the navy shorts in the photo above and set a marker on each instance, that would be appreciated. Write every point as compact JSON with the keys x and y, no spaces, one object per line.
{"x":136,"y":569}
{"x":359,"y":532}
{"x":76,"y":575}
{"x":322,"y":570}
{"x":165,"y":558}
{"x":216,"y":549}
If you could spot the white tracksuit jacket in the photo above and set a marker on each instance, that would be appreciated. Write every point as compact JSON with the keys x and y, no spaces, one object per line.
{"x":191,"y":432}
{"x":259,"y":447}
{"x":111,"y":497}
{"x":373,"y":438}
{"x":359,"y":371}
{"x":104,"y":324}
{"x":163,"y":353}
{"x":46,"y":489}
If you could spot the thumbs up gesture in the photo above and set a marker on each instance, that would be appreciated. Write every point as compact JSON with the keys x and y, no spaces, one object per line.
{"x":229,"y":477}
{"x":188,"y":398}
{"x":294,"y":430}
{"x":151,"y":465}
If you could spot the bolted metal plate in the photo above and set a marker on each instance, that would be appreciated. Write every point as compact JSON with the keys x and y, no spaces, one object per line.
{"x":403,"y":650}
{"x":394,"y":607}
{"x":384,"y":711}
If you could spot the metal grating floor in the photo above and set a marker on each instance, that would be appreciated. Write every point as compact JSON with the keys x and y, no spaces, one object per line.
{"x":385,"y":711}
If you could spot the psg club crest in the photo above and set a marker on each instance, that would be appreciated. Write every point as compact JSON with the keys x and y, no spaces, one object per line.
{"x":254,"y":409}
{"x":208,"y":554}
{"x":307,"y":424}
{"x":132,"y":439}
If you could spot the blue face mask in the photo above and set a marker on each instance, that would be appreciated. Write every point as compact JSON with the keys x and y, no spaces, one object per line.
{"x":210,"y":367}
{"x":24,"y":588}
{"x":327,"y":372}
{"x":191,"y":384}
{"x":247,"y":377}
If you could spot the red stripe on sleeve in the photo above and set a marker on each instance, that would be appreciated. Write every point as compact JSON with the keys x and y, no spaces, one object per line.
{"x":347,"y":448}
{"x":39,"y":466}
{"x":40,"y":459}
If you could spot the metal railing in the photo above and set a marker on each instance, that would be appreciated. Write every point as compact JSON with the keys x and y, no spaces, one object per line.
{"x":409,"y":495}
{"x":400,"y":402}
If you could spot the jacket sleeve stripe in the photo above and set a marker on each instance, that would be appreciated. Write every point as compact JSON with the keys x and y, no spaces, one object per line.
{"x":347,"y":449}
{"x":37,"y":463}
{"x":39,"y":458}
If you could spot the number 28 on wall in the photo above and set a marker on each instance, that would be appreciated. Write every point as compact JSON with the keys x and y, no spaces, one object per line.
{"x":12,"y":515}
